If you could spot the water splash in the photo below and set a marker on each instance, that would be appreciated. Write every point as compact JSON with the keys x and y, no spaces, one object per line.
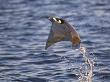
{"x":85,"y":71}
{"x":86,"y":76}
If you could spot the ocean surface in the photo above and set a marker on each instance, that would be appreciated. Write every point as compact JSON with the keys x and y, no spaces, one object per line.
{"x":24,"y":31}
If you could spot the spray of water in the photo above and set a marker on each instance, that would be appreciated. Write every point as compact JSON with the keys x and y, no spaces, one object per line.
{"x":88,"y":66}
{"x":85,"y":72}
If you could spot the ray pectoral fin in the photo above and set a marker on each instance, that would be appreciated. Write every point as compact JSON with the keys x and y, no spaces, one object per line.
{"x":49,"y":43}
{"x":54,"y":36}
{"x":52,"y":40}
{"x":76,"y":41}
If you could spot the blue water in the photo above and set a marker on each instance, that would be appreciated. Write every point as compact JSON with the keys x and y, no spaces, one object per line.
{"x":23,"y":34}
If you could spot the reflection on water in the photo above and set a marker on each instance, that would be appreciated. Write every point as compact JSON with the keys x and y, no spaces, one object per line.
{"x":23,"y":35}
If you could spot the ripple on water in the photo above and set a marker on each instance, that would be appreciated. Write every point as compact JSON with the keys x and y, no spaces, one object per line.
{"x":23,"y":35}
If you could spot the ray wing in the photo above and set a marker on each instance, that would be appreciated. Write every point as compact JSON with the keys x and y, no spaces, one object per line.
{"x":62,"y":33}
{"x":57,"y":34}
